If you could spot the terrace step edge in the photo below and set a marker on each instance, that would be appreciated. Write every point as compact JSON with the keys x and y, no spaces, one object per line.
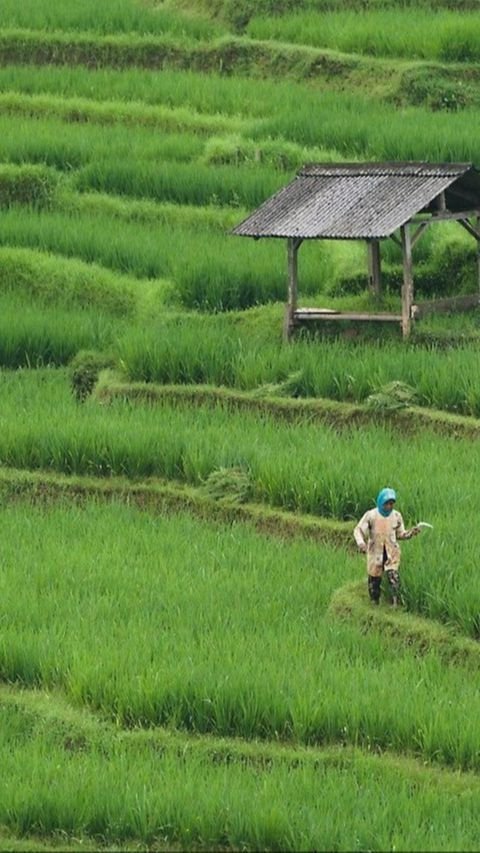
{"x":334,"y":412}
{"x":407,"y":629}
{"x":168,"y":497}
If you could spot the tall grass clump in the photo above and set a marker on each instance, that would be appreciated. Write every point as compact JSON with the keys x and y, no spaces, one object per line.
{"x":33,"y":335}
{"x":34,"y":185}
{"x":182,"y":183}
{"x":55,"y":281}
{"x":66,"y":147}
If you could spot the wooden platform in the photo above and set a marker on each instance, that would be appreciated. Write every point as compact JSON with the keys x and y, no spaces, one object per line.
{"x":302,"y":315}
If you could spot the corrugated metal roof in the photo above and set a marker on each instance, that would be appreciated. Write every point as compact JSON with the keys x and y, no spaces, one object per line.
{"x":355,"y":200}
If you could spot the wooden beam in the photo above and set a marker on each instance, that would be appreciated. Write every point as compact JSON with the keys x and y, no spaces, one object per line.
{"x":450,"y":303}
{"x":303,"y":315}
{"x":471,"y":230}
{"x":293,"y":244}
{"x":442,"y":216}
{"x":407,"y":289}
{"x":418,"y":233}
{"x":478,"y":255}
{"x":374,"y":266}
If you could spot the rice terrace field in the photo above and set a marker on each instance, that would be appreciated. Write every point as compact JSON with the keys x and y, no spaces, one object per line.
{"x":188,"y":656}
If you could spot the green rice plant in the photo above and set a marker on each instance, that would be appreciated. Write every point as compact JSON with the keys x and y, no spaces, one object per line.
{"x":362,"y":128}
{"x":210,"y":93}
{"x":115,"y":16}
{"x":296,"y":466}
{"x":239,"y":14}
{"x":182,"y":183}
{"x":65,"y":146}
{"x":145,"y":211}
{"x":208,"y":270}
{"x":302,"y":482}
{"x":214,"y":351}
{"x":176,"y":622}
{"x":31,"y":335}
{"x":168,"y":119}
{"x":439,"y":34}
{"x":138,"y":787}
{"x":27,"y":184}
{"x":47,"y":279}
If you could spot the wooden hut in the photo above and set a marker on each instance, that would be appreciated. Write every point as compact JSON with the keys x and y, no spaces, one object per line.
{"x":372,"y":202}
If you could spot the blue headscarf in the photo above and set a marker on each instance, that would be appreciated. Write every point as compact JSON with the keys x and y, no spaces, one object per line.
{"x":384,"y":496}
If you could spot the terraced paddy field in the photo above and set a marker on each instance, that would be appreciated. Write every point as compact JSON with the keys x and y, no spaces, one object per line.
{"x":188,"y":656}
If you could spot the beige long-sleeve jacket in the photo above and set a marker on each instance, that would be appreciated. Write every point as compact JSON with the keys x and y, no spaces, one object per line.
{"x":379,"y":532}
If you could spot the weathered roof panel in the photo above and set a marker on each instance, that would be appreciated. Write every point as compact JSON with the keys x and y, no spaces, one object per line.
{"x":353,"y":200}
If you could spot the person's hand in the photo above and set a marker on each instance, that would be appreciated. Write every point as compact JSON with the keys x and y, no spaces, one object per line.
{"x":363,"y":548}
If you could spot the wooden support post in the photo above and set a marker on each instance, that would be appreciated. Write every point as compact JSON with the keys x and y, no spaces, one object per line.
{"x":407,"y":289}
{"x":374,"y":266}
{"x":478,"y":257}
{"x":293,"y":244}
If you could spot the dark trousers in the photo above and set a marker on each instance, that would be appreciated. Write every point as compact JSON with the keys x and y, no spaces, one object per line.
{"x":375,"y":584}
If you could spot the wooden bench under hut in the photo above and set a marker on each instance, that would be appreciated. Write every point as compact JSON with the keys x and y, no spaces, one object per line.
{"x":372,"y":202}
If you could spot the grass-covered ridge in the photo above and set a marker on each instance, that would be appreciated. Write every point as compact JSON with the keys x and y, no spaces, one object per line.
{"x":161,"y":816}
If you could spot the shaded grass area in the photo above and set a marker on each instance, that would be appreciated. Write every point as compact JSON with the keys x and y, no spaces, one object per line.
{"x":225,"y":55}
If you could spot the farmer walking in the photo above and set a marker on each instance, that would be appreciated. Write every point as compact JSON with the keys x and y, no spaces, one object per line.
{"x":376,"y":535}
